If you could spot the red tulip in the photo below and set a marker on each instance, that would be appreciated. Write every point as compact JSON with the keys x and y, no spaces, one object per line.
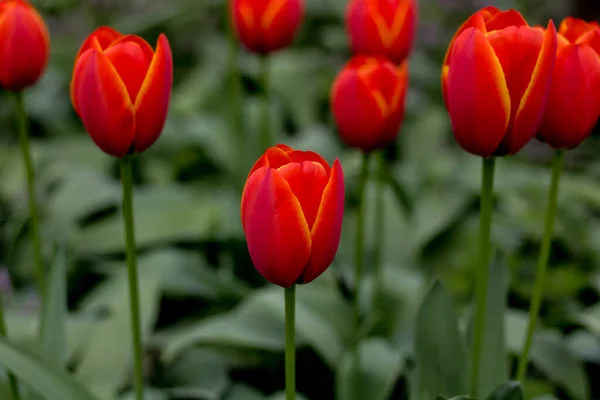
{"x":367,"y":100}
{"x":121,"y":90}
{"x":574,"y":99}
{"x":292,"y":209}
{"x":382,"y":27}
{"x":24,"y":45}
{"x":495,"y":81}
{"x":265,"y":26}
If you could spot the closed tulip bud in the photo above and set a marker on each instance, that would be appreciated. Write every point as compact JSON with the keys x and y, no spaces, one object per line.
{"x":495,"y":81}
{"x":265,"y":26}
{"x":574,"y":100}
{"x":24,"y":45}
{"x":292,"y":209}
{"x":367,"y":101}
{"x":121,"y":90}
{"x":382,"y":27}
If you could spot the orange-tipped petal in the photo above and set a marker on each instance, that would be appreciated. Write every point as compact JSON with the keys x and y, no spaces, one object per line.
{"x":574,"y":100}
{"x":327,"y":229}
{"x":307,"y":180}
{"x":273,"y":157}
{"x":300,"y":156}
{"x":102,"y":37}
{"x":478,"y":99}
{"x":276,"y":231}
{"x":592,"y":39}
{"x":504,"y":20}
{"x":131,"y":59}
{"x":103,"y":104}
{"x":279,"y":23}
{"x":533,"y":103}
{"x":152,"y":102}
{"x":573,"y":28}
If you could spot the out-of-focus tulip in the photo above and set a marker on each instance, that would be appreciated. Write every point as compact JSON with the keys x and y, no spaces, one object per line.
{"x":121,"y":90}
{"x":495,"y":81}
{"x":265,"y":26}
{"x":24,"y":45}
{"x":383,"y":28}
{"x":574,"y":100}
{"x":367,"y":100}
{"x":292,"y":209}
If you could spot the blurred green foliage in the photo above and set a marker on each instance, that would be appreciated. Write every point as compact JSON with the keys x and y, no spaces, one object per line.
{"x":212,"y":328}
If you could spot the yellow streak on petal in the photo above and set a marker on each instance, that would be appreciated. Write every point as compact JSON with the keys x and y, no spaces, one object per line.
{"x":389,"y":33}
{"x":247,"y":15}
{"x":273,"y":8}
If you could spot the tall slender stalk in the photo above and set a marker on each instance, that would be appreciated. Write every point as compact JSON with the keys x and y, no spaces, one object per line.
{"x":134,"y":301}
{"x":290,"y":343}
{"x":379,"y":222}
{"x":542,"y":264}
{"x":483,"y":269}
{"x":266,"y":139}
{"x":235,"y":89}
{"x":34,"y":231}
{"x":13,"y":386}
{"x":359,"y":240}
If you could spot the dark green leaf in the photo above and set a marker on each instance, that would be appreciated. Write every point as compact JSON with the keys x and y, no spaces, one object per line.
{"x":507,"y":391}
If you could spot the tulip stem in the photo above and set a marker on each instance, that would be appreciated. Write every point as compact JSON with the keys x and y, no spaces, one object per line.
{"x":33,"y":210}
{"x":265,"y":129}
{"x":483,"y":269}
{"x":359,"y":242}
{"x":134,"y":301}
{"x":12,"y":380}
{"x":379,"y":223}
{"x":290,"y":343}
{"x":235,"y":90}
{"x":542,"y":264}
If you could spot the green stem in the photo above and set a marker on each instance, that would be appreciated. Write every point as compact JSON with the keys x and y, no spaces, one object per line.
{"x":33,"y":210}
{"x":12,"y":380}
{"x":483,"y":269}
{"x":379,"y":222}
{"x":290,"y":343}
{"x":266,"y":139}
{"x":235,"y":90}
{"x":538,"y":288}
{"x":134,"y":301}
{"x":359,"y":240}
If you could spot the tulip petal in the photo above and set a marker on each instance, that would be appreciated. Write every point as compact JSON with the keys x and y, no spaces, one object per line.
{"x":103,"y":104}
{"x":152,"y":102}
{"x":574,"y":101}
{"x":103,"y":37}
{"x":504,"y":20}
{"x":131,"y":58}
{"x":307,"y":180}
{"x":274,"y":157}
{"x":276,"y":231}
{"x":327,"y":229}
{"x":573,"y":28}
{"x":477,"y":94}
{"x":279,"y":24}
{"x":533,"y":103}
{"x":300,"y":156}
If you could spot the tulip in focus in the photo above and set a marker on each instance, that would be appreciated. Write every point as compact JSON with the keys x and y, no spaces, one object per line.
{"x":574,"y":99}
{"x":24,"y":45}
{"x":121,"y":90}
{"x":292,"y":209}
{"x":495,"y":80}
{"x":367,"y":100}
{"x":265,"y":26}
{"x":383,"y":28}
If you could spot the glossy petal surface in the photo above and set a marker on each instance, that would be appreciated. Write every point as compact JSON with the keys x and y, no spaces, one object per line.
{"x":327,"y":229}
{"x":277,"y":234}
{"x":477,"y":94}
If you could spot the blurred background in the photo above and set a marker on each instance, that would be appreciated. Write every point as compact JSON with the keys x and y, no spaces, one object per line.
{"x":213,"y":329}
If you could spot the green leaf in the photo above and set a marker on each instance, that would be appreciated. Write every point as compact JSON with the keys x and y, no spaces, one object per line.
{"x":244,"y":392}
{"x":373,"y":375}
{"x":461,"y":397}
{"x":281,"y":396}
{"x":54,"y":312}
{"x":507,"y":391}
{"x":494,"y":368}
{"x":46,"y":379}
{"x":440,"y":353}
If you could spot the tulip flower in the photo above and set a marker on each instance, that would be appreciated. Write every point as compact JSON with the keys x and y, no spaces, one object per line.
{"x":383,"y":28}
{"x":292,"y":208}
{"x":367,"y":100}
{"x":121,"y":90}
{"x":574,"y":99}
{"x":24,"y":45}
{"x":495,"y":81}
{"x":265,"y":26}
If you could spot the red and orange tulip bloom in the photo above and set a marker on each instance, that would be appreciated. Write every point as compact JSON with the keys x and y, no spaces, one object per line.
{"x":24,"y":45}
{"x":292,"y":209}
{"x":382,"y":27}
{"x":367,"y":101}
{"x":574,"y":99}
{"x":495,"y":81}
{"x":265,"y":26}
{"x":121,"y":90}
